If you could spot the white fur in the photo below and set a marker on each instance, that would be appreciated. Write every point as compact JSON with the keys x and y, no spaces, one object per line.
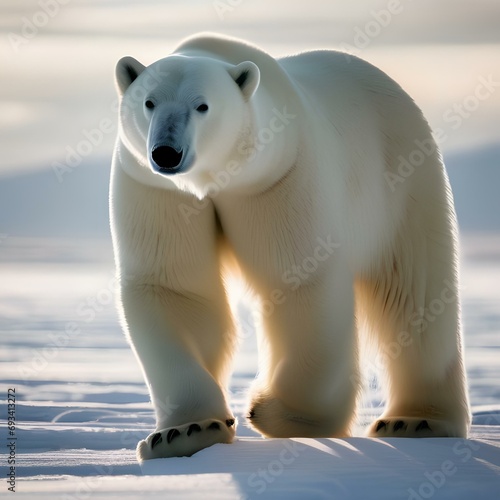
{"x":297,"y":184}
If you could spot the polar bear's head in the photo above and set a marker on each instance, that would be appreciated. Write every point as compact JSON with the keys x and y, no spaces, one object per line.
{"x":184,"y":115}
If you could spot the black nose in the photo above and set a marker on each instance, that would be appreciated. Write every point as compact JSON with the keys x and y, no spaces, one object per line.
{"x":166,"y":158}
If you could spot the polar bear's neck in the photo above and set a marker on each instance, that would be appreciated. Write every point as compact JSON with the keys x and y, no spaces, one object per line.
{"x":268,"y":146}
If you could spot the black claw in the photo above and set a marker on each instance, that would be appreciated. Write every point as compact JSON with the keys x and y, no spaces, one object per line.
{"x":172,"y":434}
{"x":230,"y":422}
{"x":157,"y":439}
{"x":193,"y":428}
{"x":380,"y":425}
{"x":422,"y":426}
{"x":399,"y":424}
{"x":214,"y":426}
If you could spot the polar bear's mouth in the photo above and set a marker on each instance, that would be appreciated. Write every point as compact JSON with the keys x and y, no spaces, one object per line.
{"x":167,"y":160}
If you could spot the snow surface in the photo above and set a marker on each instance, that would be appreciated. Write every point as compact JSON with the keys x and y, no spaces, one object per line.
{"x":82,"y":405}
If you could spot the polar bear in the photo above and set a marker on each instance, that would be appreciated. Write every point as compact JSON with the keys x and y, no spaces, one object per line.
{"x":316,"y":180}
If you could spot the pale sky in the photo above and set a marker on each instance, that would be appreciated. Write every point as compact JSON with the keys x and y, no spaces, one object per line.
{"x":58,"y":57}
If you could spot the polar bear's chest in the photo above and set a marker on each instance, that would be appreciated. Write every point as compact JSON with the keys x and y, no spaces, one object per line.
{"x":280,"y":244}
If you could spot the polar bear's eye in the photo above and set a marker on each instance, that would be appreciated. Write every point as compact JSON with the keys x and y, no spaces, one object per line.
{"x":202,"y":108}
{"x":149,"y":104}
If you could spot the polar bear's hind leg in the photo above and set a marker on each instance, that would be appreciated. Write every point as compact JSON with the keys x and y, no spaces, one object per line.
{"x":412,"y":308}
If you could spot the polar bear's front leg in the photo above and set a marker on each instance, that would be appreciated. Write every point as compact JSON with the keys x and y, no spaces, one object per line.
{"x":175,"y":313}
{"x":309,"y":382}
{"x":179,"y":340}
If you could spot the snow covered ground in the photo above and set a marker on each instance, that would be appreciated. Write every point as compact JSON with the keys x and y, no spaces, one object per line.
{"x":81,"y":404}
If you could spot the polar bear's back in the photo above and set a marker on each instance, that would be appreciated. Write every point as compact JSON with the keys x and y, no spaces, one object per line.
{"x":347,"y":88}
{"x":335,"y":67}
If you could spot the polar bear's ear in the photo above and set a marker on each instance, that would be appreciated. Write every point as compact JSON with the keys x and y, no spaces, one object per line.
{"x":247,"y":76}
{"x":127,"y":70}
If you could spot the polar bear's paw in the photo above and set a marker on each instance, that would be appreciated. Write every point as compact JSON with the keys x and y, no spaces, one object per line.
{"x":185,"y":440}
{"x":412,"y":427}
{"x":272,"y":418}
